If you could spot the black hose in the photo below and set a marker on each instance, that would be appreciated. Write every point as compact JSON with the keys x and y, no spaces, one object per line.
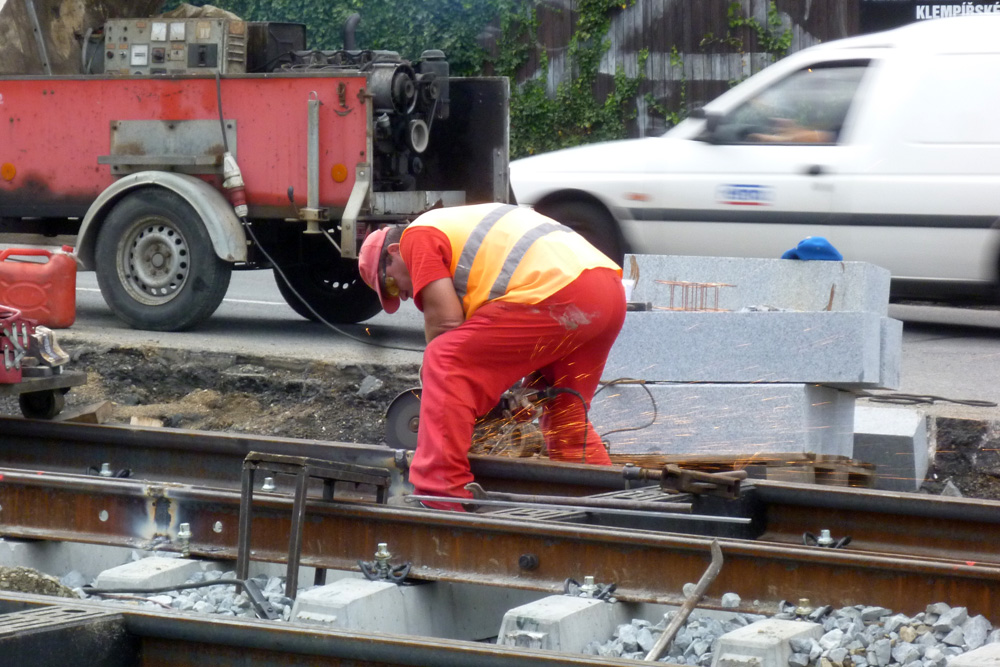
{"x":218,"y":98}
{"x":652,"y":400}
{"x":551,"y":392}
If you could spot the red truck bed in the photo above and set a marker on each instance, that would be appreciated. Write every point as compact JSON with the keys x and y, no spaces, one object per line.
{"x":56,"y":129}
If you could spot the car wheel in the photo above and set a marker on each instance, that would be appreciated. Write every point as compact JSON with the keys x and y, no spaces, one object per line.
{"x":333,"y":291}
{"x":155,"y":263}
{"x":592,"y":222}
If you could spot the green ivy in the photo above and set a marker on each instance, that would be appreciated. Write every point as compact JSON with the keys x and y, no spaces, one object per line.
{"x":769,"y":39}
{"x":573,"y":115}
{"x":680,"y":111}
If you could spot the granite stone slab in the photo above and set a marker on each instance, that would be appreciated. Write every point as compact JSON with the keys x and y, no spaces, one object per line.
{"x":842,"y":348}
{"x":896,"y":441}
{"x":891,"y":359}
{"x":744,"y":282}
{"x":725,"y":419}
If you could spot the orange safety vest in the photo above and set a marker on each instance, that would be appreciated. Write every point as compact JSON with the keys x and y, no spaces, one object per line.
{"x":501,"y":252}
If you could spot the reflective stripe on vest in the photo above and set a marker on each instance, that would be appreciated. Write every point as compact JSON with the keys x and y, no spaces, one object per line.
{"x":516,"y":254}
{"x":475,"y":241}
{"x":472,"y":245}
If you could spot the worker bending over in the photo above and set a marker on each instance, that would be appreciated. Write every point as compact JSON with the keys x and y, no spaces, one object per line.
{"x":505,"y":292}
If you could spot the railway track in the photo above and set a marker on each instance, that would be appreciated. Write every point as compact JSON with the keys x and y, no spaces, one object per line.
{"x":904,"y":551}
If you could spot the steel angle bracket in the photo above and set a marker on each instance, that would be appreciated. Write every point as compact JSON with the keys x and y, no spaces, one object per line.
{"x":349,"y":221}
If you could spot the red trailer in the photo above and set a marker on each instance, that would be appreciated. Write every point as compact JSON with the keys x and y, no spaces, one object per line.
{"x":144,"y":162}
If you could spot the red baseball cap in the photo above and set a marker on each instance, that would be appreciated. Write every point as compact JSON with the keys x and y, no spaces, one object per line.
{"x":370,"y":265}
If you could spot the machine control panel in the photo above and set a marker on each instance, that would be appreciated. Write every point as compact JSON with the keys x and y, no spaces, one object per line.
{"x":143,"y":47}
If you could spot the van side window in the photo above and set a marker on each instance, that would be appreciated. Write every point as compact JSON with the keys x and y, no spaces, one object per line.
{"x":806,"y":107}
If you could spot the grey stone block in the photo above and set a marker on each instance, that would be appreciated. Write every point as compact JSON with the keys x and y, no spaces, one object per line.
{"x":896,"y":441}
{"x":764,"y":643}
{"x":779,"y":283}
{"x":842,"y":348}
{"x":439,"y":609}
{"x":153,"y":572}
{"x":725,"y":419}
{"x":560,"y":623}
{"x":986,"y":656}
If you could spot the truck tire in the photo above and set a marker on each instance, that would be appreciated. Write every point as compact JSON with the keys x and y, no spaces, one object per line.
{"x":335,"y":292}
{"x":592,"y":222}
{"x":155,"y":263}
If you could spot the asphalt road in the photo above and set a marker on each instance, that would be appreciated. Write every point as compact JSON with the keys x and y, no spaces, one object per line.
{"x":949,"y":352}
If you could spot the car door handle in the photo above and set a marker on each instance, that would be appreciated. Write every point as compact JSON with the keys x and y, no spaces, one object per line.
{"x":814,"y":170}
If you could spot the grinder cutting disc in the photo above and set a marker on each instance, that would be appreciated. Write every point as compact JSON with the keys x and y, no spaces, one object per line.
{"x":401,"y":420}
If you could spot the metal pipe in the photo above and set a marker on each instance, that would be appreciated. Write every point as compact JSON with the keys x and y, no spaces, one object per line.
{"x":312,"y":196}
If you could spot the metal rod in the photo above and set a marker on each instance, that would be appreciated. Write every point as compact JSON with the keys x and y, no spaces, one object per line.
{"x":295,"y":539}
{"x":245,"y":523}
{"x":573,"y":508}
{"x":577,"y":501}
{"x":678,"y":620}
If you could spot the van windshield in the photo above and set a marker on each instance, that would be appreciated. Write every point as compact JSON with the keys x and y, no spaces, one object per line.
{"x":806,"y":107}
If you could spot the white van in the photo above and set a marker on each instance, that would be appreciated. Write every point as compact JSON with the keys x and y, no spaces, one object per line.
{"x":886,"y":144}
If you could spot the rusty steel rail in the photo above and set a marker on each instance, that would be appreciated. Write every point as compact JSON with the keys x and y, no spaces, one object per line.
{"x":877,"y":521}
{"x":646,"y":566}
{"x":69,"y":632}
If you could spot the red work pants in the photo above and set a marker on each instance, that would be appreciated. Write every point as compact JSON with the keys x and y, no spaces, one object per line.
{"x":566,"y":338}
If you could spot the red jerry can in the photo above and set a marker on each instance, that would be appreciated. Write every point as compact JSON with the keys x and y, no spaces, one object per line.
{"x":42,"y":291}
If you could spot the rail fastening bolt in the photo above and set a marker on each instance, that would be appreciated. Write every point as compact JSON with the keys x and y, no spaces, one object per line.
{"x":589,"y":587}
{"x":804,"y":607}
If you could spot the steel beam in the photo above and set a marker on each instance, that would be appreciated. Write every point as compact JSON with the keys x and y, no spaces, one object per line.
{"x":165,"y":639}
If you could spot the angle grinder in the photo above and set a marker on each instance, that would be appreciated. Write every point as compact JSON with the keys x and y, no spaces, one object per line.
{"x":402,"y":417}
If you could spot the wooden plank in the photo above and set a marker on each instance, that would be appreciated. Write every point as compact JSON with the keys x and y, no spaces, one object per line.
{"x":93,"y":413}
{"x":799,"y":467}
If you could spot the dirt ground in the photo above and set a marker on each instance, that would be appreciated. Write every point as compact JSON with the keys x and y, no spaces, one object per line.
{"x":968,"y":455}
{"x":347,"y":403}
{"x":228,"y":392}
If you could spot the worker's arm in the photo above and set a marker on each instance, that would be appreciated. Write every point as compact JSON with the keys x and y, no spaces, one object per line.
{"x":442,"y":308}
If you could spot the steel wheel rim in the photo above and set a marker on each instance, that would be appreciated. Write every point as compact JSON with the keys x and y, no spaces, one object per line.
{"x":153,"y":261}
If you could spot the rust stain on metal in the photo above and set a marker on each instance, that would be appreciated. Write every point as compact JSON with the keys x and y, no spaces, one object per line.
{"x":129,"y":148}
{"x":646,"y":566}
